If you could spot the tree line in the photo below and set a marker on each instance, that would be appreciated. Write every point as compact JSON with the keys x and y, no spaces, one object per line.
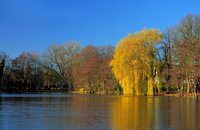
{"x":144,"y":63}
{"x":65,"y":67}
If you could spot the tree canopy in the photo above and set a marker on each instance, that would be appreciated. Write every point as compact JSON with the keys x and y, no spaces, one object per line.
{"x":135,"y":61}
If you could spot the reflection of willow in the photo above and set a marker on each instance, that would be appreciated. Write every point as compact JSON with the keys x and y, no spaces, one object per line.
{"x":128,"y":113}
{"x":155,"y":113}
{"x":136,"y":113}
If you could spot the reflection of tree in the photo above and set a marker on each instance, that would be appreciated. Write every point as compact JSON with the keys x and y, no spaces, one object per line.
{"x":189,"y":114}
{"x":133,"y":113}
{"x":76,"y":112}
{"x":92,"y":112}
{"x":180,"y":113}
{"x":148,"y":113}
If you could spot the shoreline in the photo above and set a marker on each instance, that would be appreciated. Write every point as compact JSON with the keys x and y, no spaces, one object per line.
{"x":162,"y":94}
{"x":188,"y":95}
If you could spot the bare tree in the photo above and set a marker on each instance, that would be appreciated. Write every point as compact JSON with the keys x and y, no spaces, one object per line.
{"x":58,"y":62}
{"x":182,"y":55}
{"x":167,"y":47}
{"x":3,"y":58}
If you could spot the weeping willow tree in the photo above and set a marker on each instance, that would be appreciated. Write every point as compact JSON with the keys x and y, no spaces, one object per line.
{"x":135,"y":64}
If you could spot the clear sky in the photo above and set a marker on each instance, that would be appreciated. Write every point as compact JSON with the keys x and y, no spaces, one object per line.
{"x":33,"y":25}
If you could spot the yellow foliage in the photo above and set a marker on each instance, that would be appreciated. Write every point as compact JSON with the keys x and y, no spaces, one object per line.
{"x":80,"y":91}
{"x":134,"y":60}
{"x":150,"y":84}
{"x":127,"y":111}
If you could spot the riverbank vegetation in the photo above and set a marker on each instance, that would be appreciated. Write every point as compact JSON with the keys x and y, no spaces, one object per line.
{"x":148,"y":62}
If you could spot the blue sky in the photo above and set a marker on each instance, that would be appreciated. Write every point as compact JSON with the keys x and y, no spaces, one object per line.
{"x":33,"y":25}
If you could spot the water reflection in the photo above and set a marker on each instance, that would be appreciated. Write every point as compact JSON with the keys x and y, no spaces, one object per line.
{"x":63,"y":112}
{"x":155,"y":113}
{"x":49,"y":112}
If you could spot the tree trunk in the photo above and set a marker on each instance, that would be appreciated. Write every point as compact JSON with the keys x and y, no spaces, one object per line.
{"x":2,"y":64}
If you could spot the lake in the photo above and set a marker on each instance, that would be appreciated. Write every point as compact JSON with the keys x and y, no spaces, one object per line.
{"x":60,"y":111}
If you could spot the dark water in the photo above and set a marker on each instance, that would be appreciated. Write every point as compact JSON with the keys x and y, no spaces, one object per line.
{"x":90,"y":112}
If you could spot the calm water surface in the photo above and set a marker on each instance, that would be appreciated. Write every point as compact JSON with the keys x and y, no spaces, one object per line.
{"x":92,"y":112}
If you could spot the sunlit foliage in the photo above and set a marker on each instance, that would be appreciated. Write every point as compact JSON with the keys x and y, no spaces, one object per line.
{"x":135,"y":64}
